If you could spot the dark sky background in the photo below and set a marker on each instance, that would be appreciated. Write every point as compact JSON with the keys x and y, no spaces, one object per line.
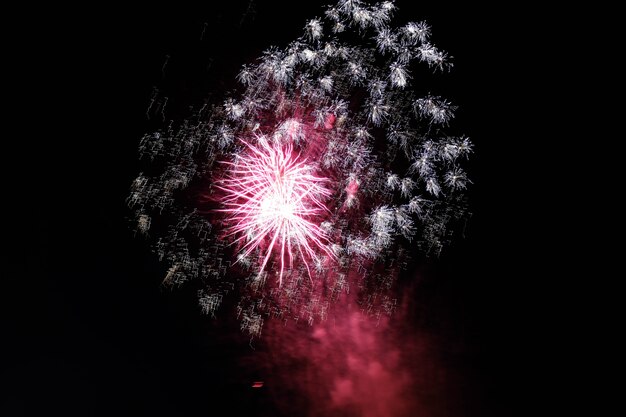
{"x":91,"y":331}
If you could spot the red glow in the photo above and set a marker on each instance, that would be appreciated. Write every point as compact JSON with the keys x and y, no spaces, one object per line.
{"x":357,"y":366}
{"x":352,"y":188}
{"x":329,"y":123}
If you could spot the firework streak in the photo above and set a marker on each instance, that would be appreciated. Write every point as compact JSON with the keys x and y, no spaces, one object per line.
{"x":316,"y":181}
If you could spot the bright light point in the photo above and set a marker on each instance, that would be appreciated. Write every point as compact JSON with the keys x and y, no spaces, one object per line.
{"x":274,"y":206}
{"x":273,"y":200}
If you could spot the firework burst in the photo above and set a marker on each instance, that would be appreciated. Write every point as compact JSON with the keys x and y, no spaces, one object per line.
{"x":271,"y":198}
{"x":328,"y":170}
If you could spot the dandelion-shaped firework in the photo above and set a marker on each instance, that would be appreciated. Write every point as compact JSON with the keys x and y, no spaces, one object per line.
{"x":317,"y":180}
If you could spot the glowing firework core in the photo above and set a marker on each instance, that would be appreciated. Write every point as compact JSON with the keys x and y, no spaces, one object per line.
{"x":272,"y":198}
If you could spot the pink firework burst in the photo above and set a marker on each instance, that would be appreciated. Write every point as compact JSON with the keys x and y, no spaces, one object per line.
{"x":272,"y":198}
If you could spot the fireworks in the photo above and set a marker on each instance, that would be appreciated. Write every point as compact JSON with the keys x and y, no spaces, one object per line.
{"x":270,"y":197}
{"x":324,"y":173}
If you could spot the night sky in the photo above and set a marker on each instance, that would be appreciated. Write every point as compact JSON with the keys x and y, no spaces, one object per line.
{"x":90,"y":329}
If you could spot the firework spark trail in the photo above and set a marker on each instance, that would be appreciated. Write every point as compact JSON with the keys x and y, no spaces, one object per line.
{"x":328,"y":170}
{"x":271,"y":194}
